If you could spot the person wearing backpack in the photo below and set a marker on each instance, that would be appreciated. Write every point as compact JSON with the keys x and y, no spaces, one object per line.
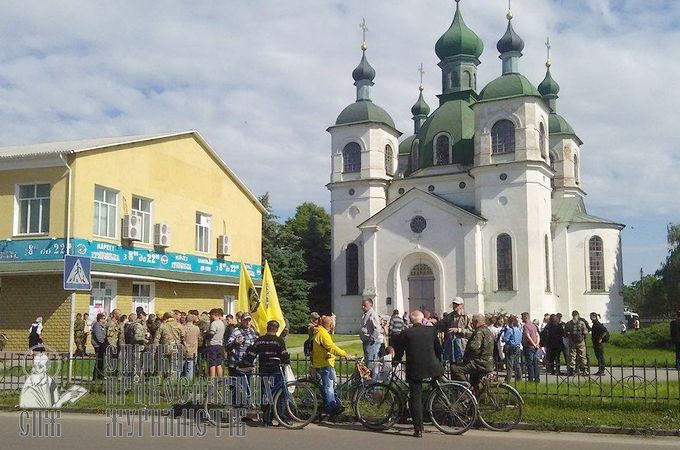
{"x":600,"y":336}
{"x":311,"y":330}
{"x":575,"y":331}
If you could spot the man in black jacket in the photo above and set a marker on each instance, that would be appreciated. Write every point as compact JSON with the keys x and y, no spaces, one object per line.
{"x":423,"y":351}
{"x":675,"y":337}
{"x":600,"y":335}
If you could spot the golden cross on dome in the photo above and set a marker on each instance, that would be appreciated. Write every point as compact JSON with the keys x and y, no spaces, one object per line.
{"x":509,"y":15}
{"x":548,"y":63}
{"x":422,"y":72}
{"x":364,"y":29}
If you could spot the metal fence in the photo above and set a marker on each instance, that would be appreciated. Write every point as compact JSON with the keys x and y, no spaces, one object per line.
{"x":640,"y":381}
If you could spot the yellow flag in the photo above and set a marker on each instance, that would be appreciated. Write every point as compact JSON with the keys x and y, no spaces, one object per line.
{"x":249,"y":300}
{"x":270,"y":299}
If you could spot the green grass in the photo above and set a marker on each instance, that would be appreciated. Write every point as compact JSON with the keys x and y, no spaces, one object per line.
{"x":648,"y":357}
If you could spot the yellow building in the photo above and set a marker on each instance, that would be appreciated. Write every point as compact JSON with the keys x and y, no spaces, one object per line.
{"x":165,"y":222}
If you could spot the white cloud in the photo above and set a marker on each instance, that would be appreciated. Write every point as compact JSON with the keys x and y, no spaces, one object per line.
{"x":263,"y":79}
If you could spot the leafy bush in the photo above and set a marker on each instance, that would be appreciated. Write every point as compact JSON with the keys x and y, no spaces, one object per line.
{"x":651,"y":336}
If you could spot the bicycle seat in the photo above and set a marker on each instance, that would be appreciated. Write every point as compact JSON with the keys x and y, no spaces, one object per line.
{"x":246,"y":369}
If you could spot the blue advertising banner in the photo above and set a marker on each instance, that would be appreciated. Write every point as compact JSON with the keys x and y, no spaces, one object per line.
{"x":55,"y":249}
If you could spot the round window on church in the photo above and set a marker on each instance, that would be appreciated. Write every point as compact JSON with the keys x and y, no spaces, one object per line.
{"x":430,"y":188}
{"x":503,"y":176}
{"x":401,"y":191}
{"x":351,"y":192}
{"x":418,"y":224}
{"x":462,"y":185}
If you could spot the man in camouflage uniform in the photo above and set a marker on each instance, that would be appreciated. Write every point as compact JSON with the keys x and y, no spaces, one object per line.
{"x":114,"y":331}
{"x":575,"y":331}
{"x":79,"y":335}
{"x":170,"y":336}
{"x":478,"y":357}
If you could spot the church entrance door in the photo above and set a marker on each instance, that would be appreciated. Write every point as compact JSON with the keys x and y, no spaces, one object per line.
{"x":421,"y":288}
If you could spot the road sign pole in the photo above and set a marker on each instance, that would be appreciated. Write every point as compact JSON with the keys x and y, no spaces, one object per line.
{"x":71,"y":338}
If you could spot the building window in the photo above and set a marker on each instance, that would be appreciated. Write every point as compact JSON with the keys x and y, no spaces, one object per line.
{"x":33,"y":202}
{"x":442,"y":150}
{"x":576,"y":170}
{"x":102,"y":298}
{"x":541,"y":141}
{"x":503,"y":137}
{"x":202,"y":232}
{"x":143,"y":295}
{"x":596,"y":258}
{"x":415,"y":157}
{"x":351,"y":158}
{"x":548,"y":287}
{"x":352,"y":269}
{"x":141,"y":207}
{"x":504,"y":262}
{"x":389,"y":160}
{"x":105,"y":212}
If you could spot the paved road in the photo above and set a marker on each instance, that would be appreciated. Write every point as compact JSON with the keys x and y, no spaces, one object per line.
{"x":80,"y":431}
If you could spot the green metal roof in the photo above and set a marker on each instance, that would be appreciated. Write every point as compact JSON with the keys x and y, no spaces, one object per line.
{"x":558,"y":125}
{"x":548,"y":86}
{"x":421,"y":108}
{"x":364,"y":111}
{"x":406,"y":144}
{"x":458,"y":40}
{"x":573,"y":210}
{"x":456,"y":118}
{"x":507,"y":86}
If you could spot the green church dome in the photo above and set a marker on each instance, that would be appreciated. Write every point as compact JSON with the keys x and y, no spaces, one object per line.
{"x":458,"y":40}
{"x":548,"y":86}
{"x":507,"y":86}
{"x":364,"y":111}
{"x":406,"y":144}
{"x":421,"y":108}
{"x":455,"y":118}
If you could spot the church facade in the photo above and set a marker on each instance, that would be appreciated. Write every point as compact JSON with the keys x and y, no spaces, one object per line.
{"x":483,"y":201}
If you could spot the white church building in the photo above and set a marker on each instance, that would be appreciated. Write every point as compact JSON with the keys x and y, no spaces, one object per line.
{"x":483,"y":201}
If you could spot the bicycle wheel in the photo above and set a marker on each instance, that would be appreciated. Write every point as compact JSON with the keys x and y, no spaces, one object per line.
{"x":216,"y":406}
{"x":378,"y":406}
{"x":453,"y":408}
{"x":297,"y":409}
{"x":500,"y":407}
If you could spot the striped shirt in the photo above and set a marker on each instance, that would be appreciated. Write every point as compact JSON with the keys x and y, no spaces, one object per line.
{"x":396,"y":325}
{"x":238,"y":351}
{"x":265,"y":349}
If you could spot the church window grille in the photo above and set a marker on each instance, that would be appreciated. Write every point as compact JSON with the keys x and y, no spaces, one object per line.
{"x":352,"y":269}
{"x":443,"y":150}
{"x":504,"y":262}
{"x":418,"y":224}
{"x":596,"y":259}
{"x":421,"y":270}
{"x":503,"y":137}
{"x":351,"y":158}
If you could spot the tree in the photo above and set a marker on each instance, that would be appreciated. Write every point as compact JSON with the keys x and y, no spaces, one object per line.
{"x":646,"y":296}
{"x":670,"y":270}
{"x":312,"y":226}
{"x":283,"y":251}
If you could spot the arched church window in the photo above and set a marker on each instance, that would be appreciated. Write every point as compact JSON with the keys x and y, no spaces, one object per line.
{"x":503,"y":137}
{"x":351,"y":158}
{"x":442,"y":150}
{"x":541,"y":141}
{"x":577,"y":175}
{"x":468,"y":80}
{"x":474,"y":81}
{"x":389,"y":160}
{"x":552,"y":158}
{"x":415,"y":157}
{"x":352,"y":269}
{"x":504,"y":262}
{"x":596,"y":262}
{"x":548,"y":287}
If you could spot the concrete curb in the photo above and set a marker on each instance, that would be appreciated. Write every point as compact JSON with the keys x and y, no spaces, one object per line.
{"x":521,"y":426}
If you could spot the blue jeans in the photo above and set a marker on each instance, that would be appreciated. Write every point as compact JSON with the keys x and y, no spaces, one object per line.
{"x":271,"y":387}
{"x":328,"y":383}
{"x":371,"y":354}
{"x":240,"y":394}
{"x":188,"y":368}
{"x":531,"y":360}
{"x":448,"y":350}
{"x":458,"y":350}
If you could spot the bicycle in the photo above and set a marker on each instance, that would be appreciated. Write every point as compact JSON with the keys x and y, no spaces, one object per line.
{"x":294,"y":403}
{"x":345,"y":391}
{"x":500,"y":406}
{"x":451,"y":405}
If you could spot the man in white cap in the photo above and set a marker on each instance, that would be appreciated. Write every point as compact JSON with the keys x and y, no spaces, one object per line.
{"x":457,"y":327}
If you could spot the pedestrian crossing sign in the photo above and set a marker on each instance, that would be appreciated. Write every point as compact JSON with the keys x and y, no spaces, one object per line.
{"x":77,"y":273}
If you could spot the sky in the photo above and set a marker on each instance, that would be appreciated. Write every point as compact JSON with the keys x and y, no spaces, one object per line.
{"x":263,"y":79}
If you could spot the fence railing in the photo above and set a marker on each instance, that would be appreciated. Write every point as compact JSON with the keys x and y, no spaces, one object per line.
{"x":640,"y":381}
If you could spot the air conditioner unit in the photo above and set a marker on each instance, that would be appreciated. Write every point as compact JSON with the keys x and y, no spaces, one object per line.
{"x":161,"y":235}
{"x":223,"y":245}
{"x":132,"y":227}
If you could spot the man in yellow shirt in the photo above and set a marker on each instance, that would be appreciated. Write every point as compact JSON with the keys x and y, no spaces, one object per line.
{"x":324,"y":352}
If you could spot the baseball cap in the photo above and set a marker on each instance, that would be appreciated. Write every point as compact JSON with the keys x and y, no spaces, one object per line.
{"x":314,"y":316}
{"x":246,"y":316}
{"x":458,"y":301}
